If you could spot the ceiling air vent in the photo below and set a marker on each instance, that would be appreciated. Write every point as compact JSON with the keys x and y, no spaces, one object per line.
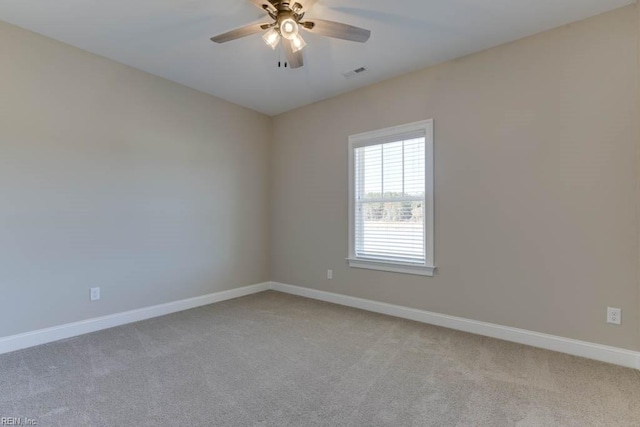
{"x":355,"y":72}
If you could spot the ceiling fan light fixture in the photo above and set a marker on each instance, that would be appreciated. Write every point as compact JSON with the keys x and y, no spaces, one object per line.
{"x":286,"y":20}
{"x":297,"y":43}
{"x":271,"y":38}
{"x":289,"y":28}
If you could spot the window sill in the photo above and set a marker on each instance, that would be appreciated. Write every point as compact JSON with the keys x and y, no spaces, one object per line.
{"x":394,"y":267}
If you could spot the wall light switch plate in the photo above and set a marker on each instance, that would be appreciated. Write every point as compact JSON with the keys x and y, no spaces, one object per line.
{"x":329,"y":274}
{"x":95,"y":294}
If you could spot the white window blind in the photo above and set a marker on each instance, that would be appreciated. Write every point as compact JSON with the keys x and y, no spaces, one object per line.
{"x":389,"y":205}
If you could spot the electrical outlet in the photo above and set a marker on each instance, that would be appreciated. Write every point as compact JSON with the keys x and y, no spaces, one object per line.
{"x":329,"y":274}
{"x":95,"y":294}
{"x":614,"y":315}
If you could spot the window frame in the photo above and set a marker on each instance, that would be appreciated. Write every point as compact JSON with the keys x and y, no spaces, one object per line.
{"x":383,"y":136}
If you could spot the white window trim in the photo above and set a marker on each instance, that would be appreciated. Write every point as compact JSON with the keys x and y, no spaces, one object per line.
{"x":378,"y":137}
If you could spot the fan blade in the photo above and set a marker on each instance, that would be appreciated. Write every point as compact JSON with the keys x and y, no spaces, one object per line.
{"x":265,"y":5}
{"x":293,"y":58}
{"x":337,"y":30}
{"x":238,"y":33}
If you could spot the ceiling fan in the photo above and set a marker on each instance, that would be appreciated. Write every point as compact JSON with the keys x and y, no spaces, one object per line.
{"x":288,"y":20}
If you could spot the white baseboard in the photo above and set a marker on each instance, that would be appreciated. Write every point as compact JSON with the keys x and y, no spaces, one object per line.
{"x":614,"y":355}
{"x":43,"y":336}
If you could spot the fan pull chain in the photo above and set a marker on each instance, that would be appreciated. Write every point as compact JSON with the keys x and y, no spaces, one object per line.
{"x":282,"y":63}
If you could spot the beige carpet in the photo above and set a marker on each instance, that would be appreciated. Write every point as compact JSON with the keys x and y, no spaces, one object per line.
{"x":272,"y":359}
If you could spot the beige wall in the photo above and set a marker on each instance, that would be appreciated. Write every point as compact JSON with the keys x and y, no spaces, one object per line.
{"x":115,"y":178}
{"x":638,"y":166}
{"x":536,"y":171}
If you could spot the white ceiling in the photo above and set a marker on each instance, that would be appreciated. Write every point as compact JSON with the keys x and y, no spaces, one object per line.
{"x":170,"y":38}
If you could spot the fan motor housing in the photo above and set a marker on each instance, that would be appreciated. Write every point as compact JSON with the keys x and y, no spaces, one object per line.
{"x":282,"y":6}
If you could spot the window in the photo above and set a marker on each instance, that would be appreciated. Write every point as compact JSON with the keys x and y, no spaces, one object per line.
{"x":391,"y":199}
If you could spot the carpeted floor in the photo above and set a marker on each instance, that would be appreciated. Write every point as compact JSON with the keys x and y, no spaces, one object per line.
{"x":272,"y":359}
